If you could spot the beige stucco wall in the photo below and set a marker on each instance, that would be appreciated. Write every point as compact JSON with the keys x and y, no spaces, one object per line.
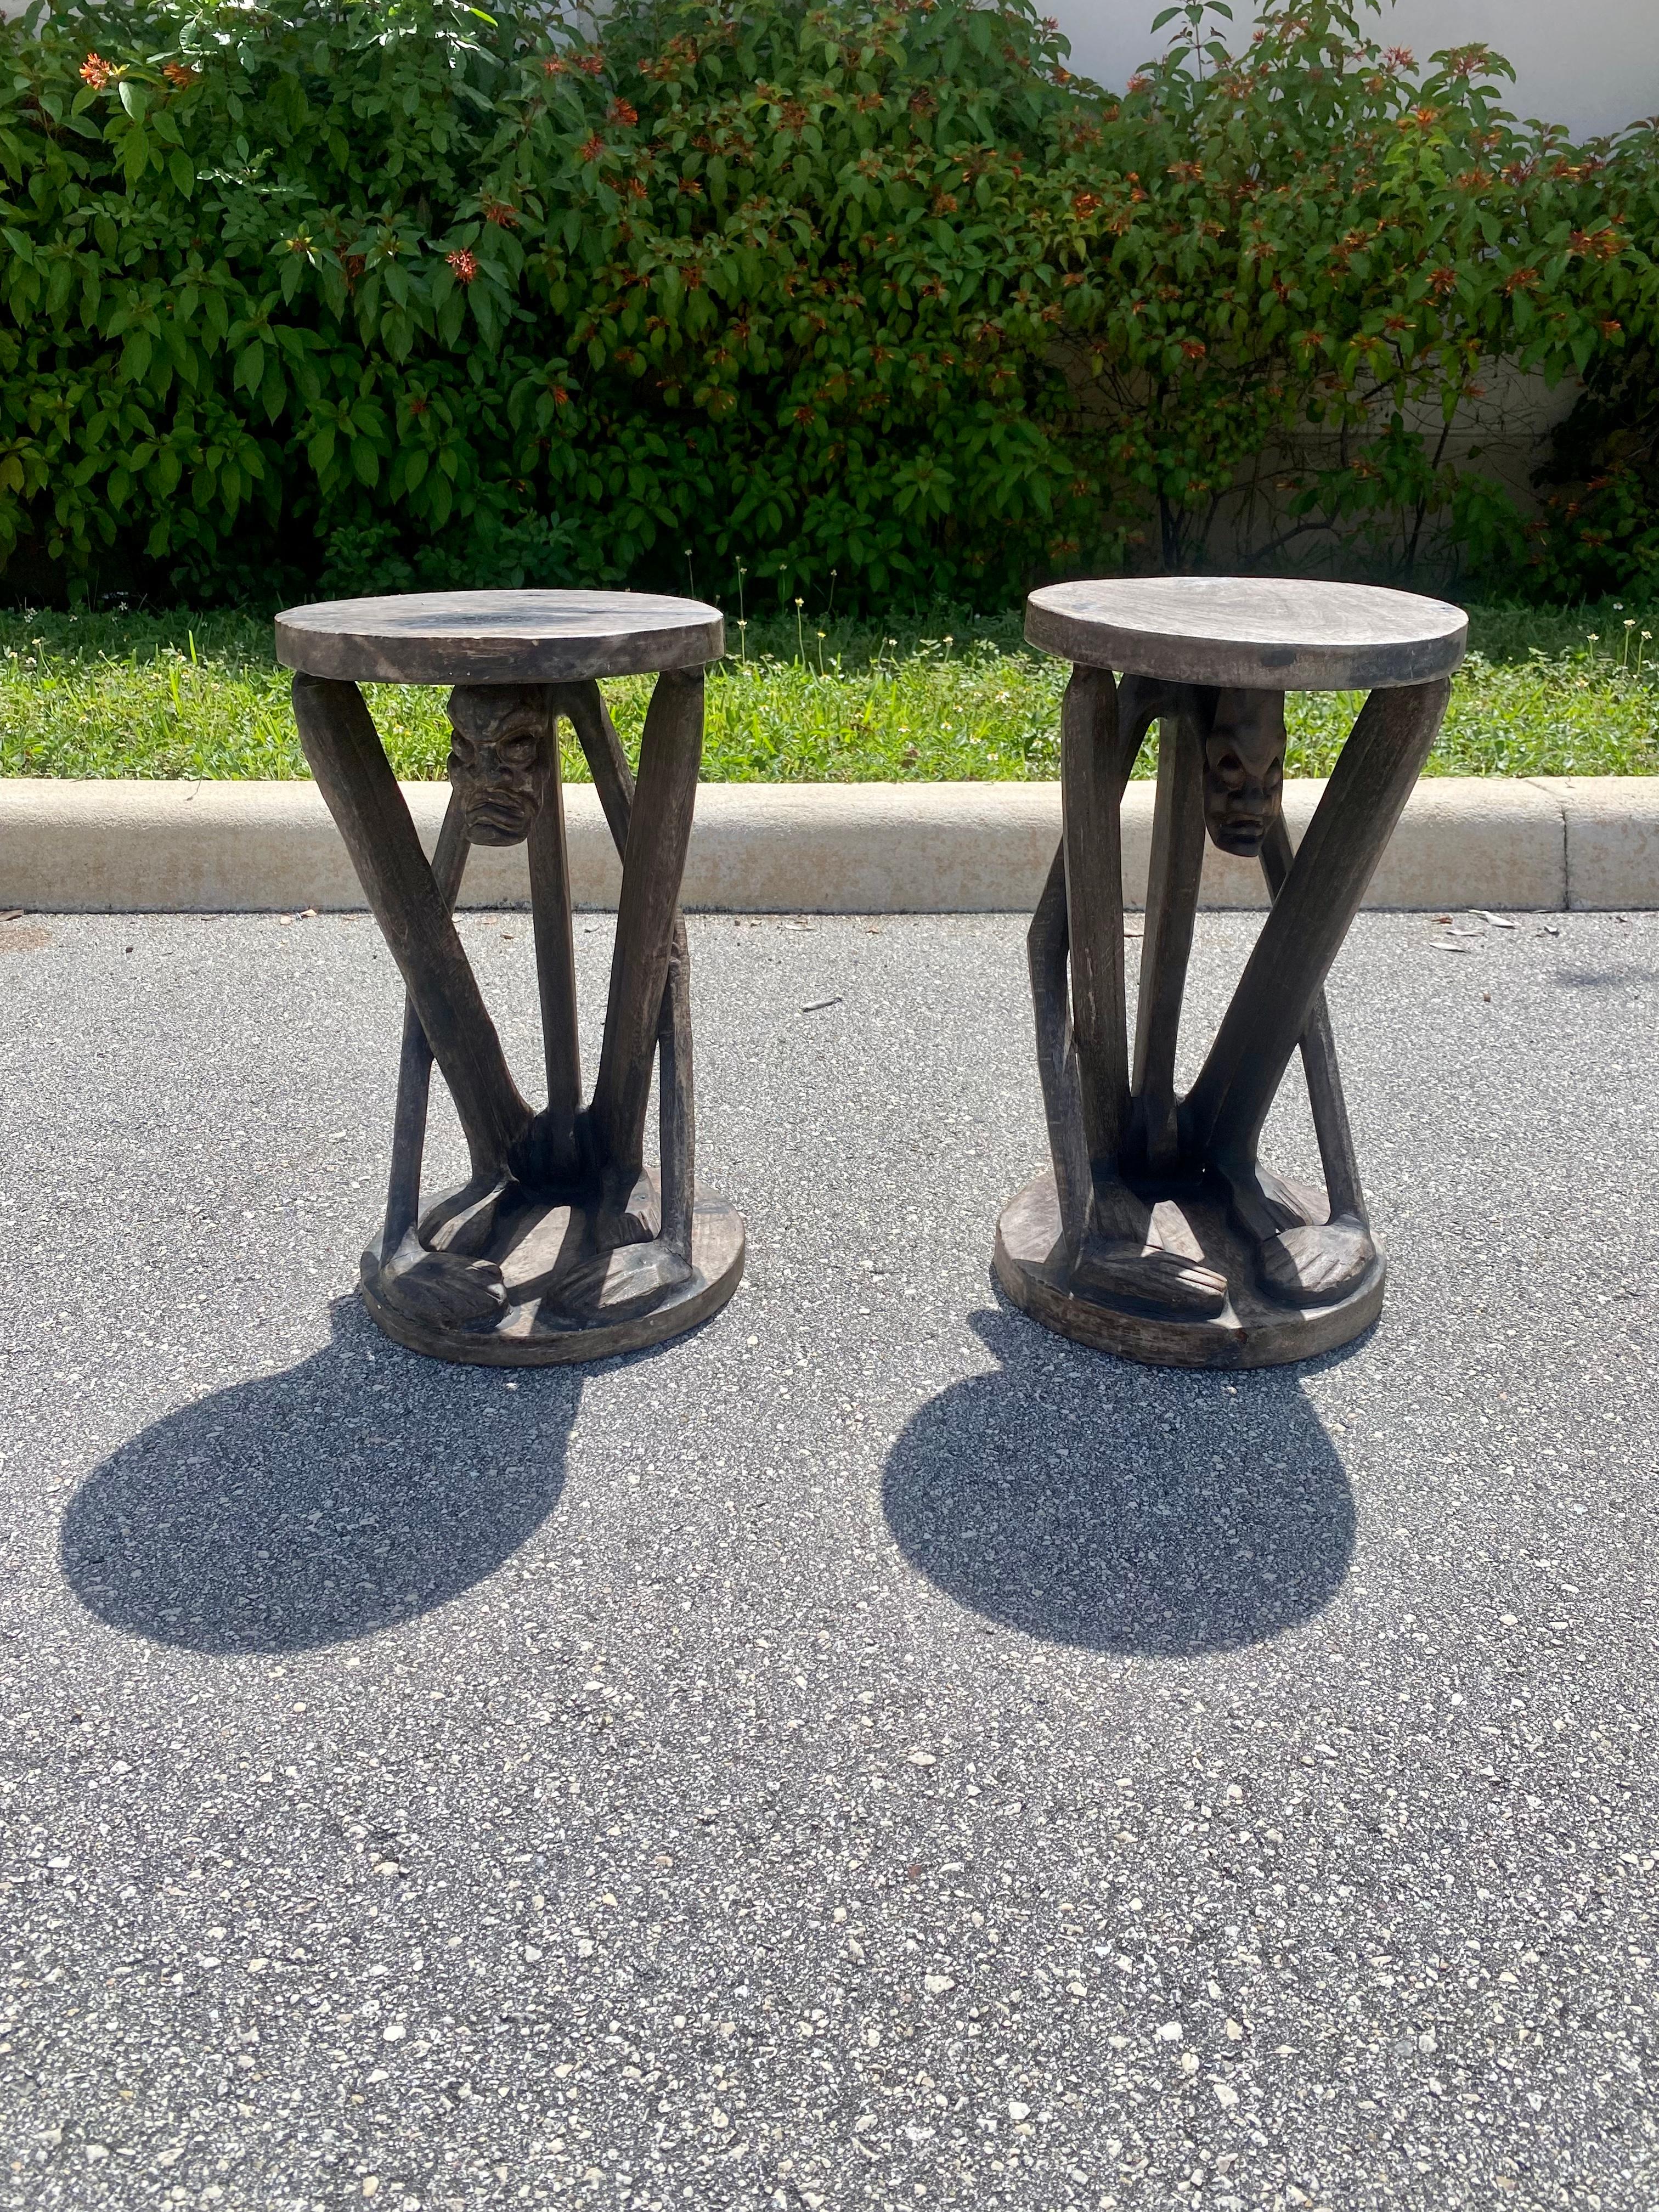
{"x":1593,"y":66}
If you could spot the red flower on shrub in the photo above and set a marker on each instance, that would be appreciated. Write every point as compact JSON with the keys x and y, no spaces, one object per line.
{"x":561,"y":397}
{"x":1140,"y":84}
{"x":1443,"y":281}
{"x":503,"y":217}
{"x":1604,"y":244}
{"x":592,"y":65}
{"x":1401,"y":57}
{"x":592,"y":149}
{"x":1610,"y":329}
{"x":180,"y":74}
{"x":622,"y":112}
{"x":1196,"y":350}
{"x":1084,"y":204}
{"x":464,"y":265}
{"x":555,"y":65}
{"x":95,"y":71}
{"x":1520,"y":280}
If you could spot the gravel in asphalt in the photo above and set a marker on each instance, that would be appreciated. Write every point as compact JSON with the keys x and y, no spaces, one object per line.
{"x":869,"y":1752}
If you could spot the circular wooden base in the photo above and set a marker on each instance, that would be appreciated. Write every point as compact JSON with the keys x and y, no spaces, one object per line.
{"x":1252,"y":1330}
{"x":530,"y":1331}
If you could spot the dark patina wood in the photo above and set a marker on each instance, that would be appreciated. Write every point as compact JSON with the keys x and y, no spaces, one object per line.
{"x":1158,"y":1232}
{"x":498,"y":637}
{"x":561,"y":1245}
{"x":1249,"y":634}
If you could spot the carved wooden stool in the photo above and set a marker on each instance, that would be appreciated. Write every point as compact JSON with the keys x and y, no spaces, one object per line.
{"x":561,"y":1245}
{"x":1159,"y":1234}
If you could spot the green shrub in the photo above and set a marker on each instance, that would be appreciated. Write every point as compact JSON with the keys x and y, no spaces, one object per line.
{"x":871,"y":298}
{"x":1599,"y":530}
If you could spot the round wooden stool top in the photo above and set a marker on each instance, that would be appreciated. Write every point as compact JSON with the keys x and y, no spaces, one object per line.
{"x":1250,"y":632}
{"x":498,"y":637}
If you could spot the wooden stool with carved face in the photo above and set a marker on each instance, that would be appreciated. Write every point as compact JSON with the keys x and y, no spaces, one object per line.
{"x":562,"y":1244}
{"x":1159,"y":1233}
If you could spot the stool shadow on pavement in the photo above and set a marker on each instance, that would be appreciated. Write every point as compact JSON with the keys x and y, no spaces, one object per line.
{"x":310,"y":1507}
{"x":1125,"y":1508}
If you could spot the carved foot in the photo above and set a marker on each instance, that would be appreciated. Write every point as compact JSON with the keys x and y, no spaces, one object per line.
{"x":628,"y":1211}
{"x":584,"y":1265}
{"x":610,"y":1286}
{"x":1146,"y":1256}
{"x":1301,"y":1260}
{"x":441,"y":1289}
{"x":1317,"y":1264}
{"x":463,"y":1223}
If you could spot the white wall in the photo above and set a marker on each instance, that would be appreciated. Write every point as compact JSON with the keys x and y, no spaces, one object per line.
{"x":1593,"y":65}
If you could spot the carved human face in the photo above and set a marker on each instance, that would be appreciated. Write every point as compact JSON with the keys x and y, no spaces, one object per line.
{"x":501,"y":759}
{"x":1244,"y":769}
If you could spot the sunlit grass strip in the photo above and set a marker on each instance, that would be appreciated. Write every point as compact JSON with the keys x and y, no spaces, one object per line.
{"x":108,"y":695}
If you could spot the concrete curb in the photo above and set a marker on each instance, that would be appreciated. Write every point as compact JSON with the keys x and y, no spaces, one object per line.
{"x":1537,"y":843}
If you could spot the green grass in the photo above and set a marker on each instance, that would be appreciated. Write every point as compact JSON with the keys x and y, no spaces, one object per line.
{"x":200,"y":696}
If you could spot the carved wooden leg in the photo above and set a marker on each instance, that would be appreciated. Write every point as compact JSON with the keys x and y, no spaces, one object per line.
{"x":1319,"y":1065}
{"x":613,"y":779}
{"x":1278,"y":993}
{"x":1124,"y":1254}
{"x":676,"y":1114}
{"x":654,"y":862}
{"x":1177,"y":866}
{"x":450,"y":1288}
{"x":1045,"y":957}
{"x":1092,"y":796}
{"x":356,"y":778}
{"x":556,"y":975}
{"x":402,"y":1197}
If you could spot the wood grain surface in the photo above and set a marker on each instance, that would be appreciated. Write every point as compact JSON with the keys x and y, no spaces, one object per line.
{"x":498,"y":637}
{"x":1253,"y":633}
{"x":1252,"y":1330}
{"x":535,"y":1331}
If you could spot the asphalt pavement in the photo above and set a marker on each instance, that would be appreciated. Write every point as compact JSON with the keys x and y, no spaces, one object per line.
{"x":869,"y":1752}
